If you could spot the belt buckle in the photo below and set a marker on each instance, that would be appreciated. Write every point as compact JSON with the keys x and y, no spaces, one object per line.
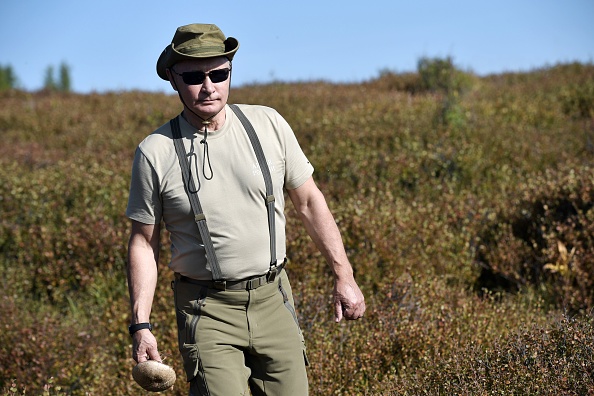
{"x":220,"y":285}
{"x":253,"y":284}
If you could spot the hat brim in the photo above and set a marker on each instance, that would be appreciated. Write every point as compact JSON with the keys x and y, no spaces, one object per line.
{"x":170,"y":56}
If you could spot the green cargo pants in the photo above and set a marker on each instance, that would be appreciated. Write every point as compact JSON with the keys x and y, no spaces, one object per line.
{"x":234,"y":339}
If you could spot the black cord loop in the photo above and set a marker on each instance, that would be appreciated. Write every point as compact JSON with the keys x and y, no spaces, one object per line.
{"x":206,"y":155}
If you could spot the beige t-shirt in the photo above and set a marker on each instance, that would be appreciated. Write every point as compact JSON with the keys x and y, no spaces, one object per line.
{"x":232,"y":201}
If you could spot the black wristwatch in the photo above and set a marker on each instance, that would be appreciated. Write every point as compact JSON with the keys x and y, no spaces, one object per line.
{"x":139,"y":326}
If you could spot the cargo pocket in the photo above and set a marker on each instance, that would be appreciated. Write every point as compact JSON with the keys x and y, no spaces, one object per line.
{"x":291,"y":309}
{"x":189,"y":300}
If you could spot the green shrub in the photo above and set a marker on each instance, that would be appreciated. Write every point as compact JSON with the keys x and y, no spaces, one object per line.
{"x":578,"y":100}
{"x":534,"y":360}
{"x":545,"y":238}
{"x":441,"y":75}
{"x":8,"y":79}
{"x":392,"y":81}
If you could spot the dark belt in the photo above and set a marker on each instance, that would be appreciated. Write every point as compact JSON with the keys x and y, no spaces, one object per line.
{"x":244,"y":284}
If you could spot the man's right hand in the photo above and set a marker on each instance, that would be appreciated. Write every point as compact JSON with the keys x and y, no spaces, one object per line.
{"x":144,"y":346}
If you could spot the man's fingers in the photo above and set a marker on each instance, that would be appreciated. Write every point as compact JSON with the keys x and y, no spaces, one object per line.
{"x":338,"y":311}
{"x":349,"y":313}
{"x":154,"y":355}
{"x":360,"y":310}
{"x":356,"y":312}
{"x":349,"y":302}
{"x":144,"y":347}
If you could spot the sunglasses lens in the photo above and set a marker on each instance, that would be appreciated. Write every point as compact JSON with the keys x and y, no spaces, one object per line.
{"x":193,"y":78}
{"x":198,"y":77}
{"x":219,"y":75}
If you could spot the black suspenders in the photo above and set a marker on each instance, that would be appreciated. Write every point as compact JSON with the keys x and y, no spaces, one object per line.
{"x":195,"y":202}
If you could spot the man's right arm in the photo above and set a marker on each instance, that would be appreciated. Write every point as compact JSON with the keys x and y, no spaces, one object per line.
{"x":143,"y":256}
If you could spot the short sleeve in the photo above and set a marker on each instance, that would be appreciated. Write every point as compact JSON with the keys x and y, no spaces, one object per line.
{"x":298,"y":168}
{"x":144,"y":202}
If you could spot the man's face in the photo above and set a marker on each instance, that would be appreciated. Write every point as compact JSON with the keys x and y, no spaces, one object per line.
{"x":208,"y":98}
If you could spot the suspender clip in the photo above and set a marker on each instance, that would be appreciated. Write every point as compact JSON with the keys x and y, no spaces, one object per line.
{"x":272,"y":272}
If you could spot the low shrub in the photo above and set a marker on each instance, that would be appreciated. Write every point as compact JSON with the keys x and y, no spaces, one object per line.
{"x":545,"y":238}
{"x":534,"y":360}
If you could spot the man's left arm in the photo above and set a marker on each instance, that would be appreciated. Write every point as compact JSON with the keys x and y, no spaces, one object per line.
{"x":321,"y":227}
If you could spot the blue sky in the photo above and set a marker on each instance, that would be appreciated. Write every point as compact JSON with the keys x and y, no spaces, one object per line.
{"x":113,"y":45}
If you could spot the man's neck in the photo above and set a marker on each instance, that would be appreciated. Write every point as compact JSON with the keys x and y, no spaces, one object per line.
{"x":215,"y":123}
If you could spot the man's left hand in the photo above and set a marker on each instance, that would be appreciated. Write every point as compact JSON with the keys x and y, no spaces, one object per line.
{"x":349,"y":302}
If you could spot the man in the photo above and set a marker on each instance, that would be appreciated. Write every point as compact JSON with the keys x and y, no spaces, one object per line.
{"x":235,"y":313}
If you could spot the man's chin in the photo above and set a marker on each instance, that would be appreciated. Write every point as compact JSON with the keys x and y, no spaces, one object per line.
{"x":208,"y":109}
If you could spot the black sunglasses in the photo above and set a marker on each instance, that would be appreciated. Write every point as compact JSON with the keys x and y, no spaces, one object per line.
{"x":198,"y":77}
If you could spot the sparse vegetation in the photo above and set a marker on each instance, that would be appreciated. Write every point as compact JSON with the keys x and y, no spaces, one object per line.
{"x":468,"y":216}
{"x":8,"y":79}
{"x":61,"y":82}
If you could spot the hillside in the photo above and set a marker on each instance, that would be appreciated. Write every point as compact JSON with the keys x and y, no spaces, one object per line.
{"x":466,"y":205}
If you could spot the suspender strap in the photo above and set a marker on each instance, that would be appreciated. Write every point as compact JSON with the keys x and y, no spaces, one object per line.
{"x":194,"y":201}
{"x":267,"y":179}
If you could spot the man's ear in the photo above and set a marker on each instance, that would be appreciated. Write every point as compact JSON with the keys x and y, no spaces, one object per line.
{"x":171,"y":79}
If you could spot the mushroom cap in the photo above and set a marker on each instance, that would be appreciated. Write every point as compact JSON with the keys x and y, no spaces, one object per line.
{"x":153,"y":376}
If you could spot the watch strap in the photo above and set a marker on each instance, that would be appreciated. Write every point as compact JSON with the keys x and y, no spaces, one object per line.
{"x":139,"y":326}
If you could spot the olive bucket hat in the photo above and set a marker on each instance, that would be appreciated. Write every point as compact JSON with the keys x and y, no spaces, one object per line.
{"x":196,"y":41}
